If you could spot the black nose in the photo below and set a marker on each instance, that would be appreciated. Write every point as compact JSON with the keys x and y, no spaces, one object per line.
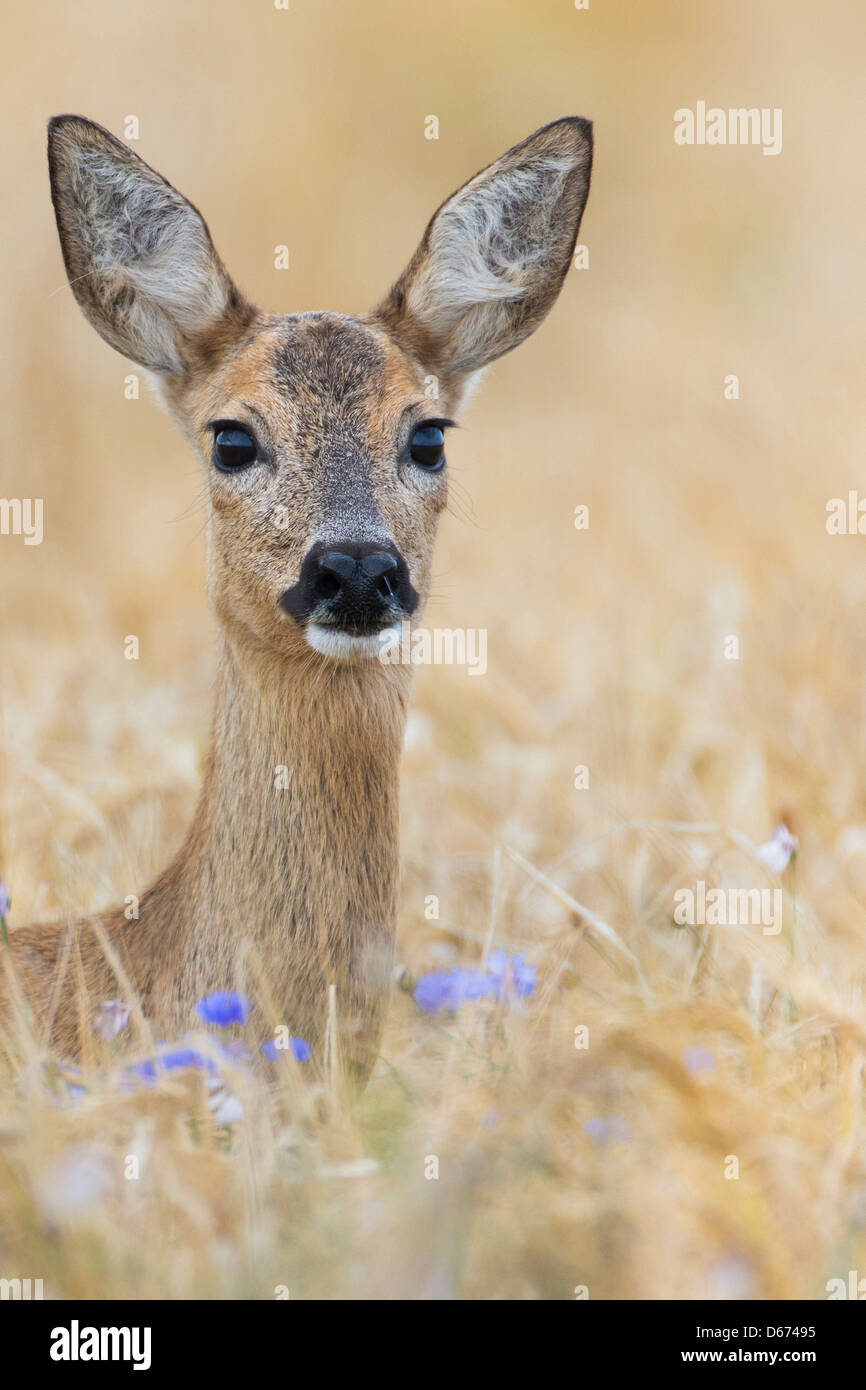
{"x":356,"y":581}
{"x":354,"y":587}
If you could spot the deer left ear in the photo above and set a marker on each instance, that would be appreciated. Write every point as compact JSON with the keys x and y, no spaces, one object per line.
{"x":139,"y":256}
{"x":494,"y":256}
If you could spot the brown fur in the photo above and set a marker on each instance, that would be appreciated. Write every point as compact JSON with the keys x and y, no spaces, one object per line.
{"x":307,"y":874}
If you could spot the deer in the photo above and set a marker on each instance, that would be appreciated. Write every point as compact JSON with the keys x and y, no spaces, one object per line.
{"x":322,"y":447}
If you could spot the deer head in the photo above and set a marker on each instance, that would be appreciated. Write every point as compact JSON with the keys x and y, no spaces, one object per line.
{"x":322,"y":442}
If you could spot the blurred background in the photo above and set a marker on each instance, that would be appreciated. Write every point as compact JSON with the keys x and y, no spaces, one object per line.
{"x":306,"y":127}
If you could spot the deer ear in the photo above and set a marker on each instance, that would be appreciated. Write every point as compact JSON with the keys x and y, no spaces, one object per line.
{"x":139,"y":257}
{"x":494,"y":256}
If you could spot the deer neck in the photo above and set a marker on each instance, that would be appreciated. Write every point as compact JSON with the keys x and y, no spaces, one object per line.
{"x":294,"y":846}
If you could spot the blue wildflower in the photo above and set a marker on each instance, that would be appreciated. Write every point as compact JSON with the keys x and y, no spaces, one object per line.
{"x":184,"y":1058}
{"x":145,"y":1071}
{"x":223,"y":1007}
{"x":507,"y":977}
{"x":172,"y":1059}
{"x":601,"y":1131}
{"x":301,"y":1051}
{"x":511,"y":975}
{"x":596,"y":1130}
{"x":433,"y":991}
{"x":449,"y":989}
{"x":468,"y":984}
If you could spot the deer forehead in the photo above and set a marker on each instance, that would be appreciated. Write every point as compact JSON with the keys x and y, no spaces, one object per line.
{"x":320,"y":383}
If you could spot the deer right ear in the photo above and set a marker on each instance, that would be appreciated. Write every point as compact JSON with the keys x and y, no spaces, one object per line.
{"x":494,"y":256}
{"x":139,"y":257}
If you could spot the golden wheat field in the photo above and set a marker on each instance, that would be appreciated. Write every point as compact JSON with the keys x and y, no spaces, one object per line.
{"x":676,"y":1111}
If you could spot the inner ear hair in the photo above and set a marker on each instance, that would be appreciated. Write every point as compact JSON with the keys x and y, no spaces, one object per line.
{"x":139,"y":256}
{"x":494,"y":255}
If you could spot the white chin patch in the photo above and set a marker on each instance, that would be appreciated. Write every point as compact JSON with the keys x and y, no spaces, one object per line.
{"x":343,"y":645}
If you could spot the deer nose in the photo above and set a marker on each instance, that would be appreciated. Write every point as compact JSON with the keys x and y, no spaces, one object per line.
{"x":358,"y":579}
{"x":352,"y":586}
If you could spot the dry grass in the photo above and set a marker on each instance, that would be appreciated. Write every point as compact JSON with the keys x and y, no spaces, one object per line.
{"x":605,"y":649}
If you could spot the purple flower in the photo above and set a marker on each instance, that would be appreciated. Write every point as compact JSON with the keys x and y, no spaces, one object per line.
{"x":172,"y":1059}
{"x":4,"y":900}
{"x":449,"y":989}
{"x":301,"y":1051}
{"x":601,"y":1131}
{"x":145,"y":1071}
{"x":596,"y":1130}
{"x":223,"y":1007}
{"x":111,"y":1018}
{"x":698,"y":1059}
{"x":778,"y":850}
{"x":511,"y":975}
{"x":184,"y":1059}
{"x":507,"y":977}
{"x":433,"y":991}
{"x":468,"y":984}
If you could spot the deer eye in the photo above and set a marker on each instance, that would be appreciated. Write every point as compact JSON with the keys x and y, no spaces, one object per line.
{"x":427,"y":446}
{"x":233,"y":447}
